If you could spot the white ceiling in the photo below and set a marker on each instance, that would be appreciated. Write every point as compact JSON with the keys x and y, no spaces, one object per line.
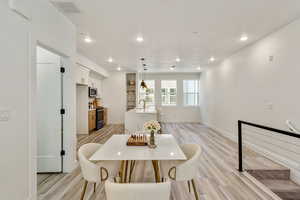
{"x":193,"y":30}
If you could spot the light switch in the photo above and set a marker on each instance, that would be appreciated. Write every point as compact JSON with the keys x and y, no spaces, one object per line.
{"x":269,"y":106}
{"x":4,"y":115}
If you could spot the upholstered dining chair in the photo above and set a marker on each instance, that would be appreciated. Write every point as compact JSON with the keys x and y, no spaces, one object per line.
{"x":137,"y":191}
{"x":95,"y":172}
{"x":184,"y":170}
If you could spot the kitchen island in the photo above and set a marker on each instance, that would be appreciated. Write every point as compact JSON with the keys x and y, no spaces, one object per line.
{"x":135,"y":118}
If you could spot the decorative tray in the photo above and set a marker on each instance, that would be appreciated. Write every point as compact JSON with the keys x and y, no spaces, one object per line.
{"x":137,"y":140}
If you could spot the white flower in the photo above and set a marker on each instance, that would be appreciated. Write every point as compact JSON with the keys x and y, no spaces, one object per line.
{"x":152,"y":126}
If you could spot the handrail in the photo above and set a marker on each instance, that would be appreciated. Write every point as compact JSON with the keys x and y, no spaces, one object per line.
{"x":240,"y":140}
{"x":291,"y":127}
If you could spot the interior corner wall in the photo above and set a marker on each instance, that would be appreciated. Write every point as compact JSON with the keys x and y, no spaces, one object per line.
{"x":19,"y":38}
{"x":260,"y":84}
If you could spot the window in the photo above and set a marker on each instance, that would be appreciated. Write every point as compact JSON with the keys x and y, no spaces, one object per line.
{"x":168,"y":92}
{"x":147,"y":94}
{"x":191,"y":92}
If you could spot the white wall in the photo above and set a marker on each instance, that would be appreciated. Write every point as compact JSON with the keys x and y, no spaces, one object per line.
{"x":85,"y":62}
{"x":250,"y":86}
{"x":18,"y":71}
{"x":14,"y":98}
{"x":82,"y":110}
{"x":178,"y":113}
{"x":114,"y":97}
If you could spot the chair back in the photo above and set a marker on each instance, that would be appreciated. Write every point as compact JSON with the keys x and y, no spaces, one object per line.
{"x":137,"y":191}
{"x":90,"y":171}
{"x":188,"y":169}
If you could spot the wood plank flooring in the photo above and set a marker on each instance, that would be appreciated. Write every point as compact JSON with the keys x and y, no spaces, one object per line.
{"x":217,"y":177}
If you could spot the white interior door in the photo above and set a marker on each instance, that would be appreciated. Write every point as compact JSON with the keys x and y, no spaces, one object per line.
{"x":48,"y":111}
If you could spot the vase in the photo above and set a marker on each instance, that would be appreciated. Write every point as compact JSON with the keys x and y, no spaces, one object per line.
{"x":152,"y":140}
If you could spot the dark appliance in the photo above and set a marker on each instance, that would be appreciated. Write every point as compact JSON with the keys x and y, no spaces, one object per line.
{"x":99,"y":118}
{"x":92,"y":92}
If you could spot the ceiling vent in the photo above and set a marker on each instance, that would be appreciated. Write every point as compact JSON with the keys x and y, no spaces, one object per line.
{"x":66,"y":7}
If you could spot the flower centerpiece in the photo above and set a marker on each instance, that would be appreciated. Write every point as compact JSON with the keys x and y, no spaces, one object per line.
{"x":152,"y":126}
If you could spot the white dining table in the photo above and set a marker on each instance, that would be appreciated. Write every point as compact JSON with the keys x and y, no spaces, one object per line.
{"x":116,"y":149}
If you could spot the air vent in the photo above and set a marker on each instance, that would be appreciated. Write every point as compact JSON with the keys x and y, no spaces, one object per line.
{"x":66,"y":7}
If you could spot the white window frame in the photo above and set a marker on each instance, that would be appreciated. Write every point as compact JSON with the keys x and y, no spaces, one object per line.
{"x":196,"y":93}
{"x":168,"y":95}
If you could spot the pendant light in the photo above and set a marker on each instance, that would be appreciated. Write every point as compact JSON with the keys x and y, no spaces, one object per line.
{"x":143,"y":83}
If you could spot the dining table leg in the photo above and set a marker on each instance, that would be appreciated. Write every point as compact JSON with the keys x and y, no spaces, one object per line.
{"x":156,"y":170}
{"x":126,"y":172}
{"x":121,"y":172}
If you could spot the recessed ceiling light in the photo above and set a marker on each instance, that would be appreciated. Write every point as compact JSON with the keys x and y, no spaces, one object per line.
{"x":178,"y":60}
{"x":244,"y":38}
{"x":140,"y":39}
{"x":110,"y":60}
{"x":87,"y":39}
{"x":198,"y":68}
{"x":212,"y":59}
{"x":119,"y":68}
{"x":172,"y":67}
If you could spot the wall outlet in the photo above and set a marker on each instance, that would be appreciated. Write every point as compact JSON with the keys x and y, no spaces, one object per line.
{"x":4,"y":115}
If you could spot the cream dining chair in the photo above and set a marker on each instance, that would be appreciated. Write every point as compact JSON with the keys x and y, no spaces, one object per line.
{"x":137,"y":191}
{"x":95,"y":172}
{"x":184,"y":170}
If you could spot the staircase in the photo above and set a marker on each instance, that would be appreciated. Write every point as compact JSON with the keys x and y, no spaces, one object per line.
{"x":279,"y":182}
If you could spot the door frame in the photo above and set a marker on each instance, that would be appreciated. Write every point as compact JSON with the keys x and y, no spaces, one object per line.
{"x":32,"y":121}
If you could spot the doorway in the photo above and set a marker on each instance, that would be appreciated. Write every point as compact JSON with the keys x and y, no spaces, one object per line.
{"x":49,"y":116}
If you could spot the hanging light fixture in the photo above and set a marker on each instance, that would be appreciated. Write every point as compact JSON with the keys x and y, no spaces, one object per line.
{"x":143,"y":83}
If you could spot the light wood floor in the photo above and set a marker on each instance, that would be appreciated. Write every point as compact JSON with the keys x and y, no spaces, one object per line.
{"x":217,"y":177}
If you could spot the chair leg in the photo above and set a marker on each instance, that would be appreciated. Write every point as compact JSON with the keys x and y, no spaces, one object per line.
{"x":189,"y":185}
{"x":83,"y":191}
{"x":94,"y":187}
{"x":195,"y":191}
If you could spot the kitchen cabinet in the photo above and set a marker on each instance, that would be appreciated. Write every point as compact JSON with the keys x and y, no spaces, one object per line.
{"x":82,"y":75}
{"x":92,"y":120}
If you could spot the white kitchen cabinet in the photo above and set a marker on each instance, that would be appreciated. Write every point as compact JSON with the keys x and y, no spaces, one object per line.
{"x":82,"y":75}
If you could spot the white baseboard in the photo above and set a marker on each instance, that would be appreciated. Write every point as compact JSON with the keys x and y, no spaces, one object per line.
{"x":295,"y":173}
{"x":31,"y":198}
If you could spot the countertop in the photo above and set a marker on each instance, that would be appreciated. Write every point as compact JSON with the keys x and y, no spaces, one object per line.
{"x":148,"y":110}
